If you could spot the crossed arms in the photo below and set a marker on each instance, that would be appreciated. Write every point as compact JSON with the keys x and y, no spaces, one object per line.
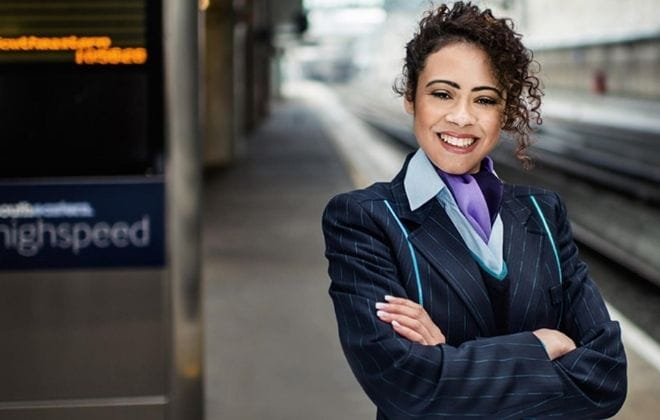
{"x":420,"y":376}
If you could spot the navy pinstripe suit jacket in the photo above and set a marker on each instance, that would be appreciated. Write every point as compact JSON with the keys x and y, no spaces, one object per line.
{"x":476,"y":373}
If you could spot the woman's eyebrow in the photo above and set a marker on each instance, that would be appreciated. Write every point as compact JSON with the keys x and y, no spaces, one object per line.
{"x":480,"y":88}
{"x":449,"y":82}
{"x":457,"y":86}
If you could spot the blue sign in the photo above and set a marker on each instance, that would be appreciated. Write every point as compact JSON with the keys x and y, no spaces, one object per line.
{"x":81,"y":225}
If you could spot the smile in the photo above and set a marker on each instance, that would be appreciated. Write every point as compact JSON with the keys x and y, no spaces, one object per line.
{"x":463,"y":142}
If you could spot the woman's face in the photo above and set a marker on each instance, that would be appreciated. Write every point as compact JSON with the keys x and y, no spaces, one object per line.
{"x":458,"y":108}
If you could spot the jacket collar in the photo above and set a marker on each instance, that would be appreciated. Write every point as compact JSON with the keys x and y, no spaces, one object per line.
{"x":516,"y":201}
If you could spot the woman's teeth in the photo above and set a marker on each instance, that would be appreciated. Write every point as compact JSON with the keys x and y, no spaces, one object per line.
{"x":458,"y":142}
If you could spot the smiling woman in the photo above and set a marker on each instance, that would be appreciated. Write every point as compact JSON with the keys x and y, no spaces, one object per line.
{"x":456,"y":293}
{"x":458,"y":109}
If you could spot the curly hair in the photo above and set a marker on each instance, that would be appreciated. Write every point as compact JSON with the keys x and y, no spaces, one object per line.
{"x":513,"y":64}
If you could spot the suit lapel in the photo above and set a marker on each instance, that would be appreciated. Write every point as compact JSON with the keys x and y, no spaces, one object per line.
{"x":524,"y":242}
{"x":433,"y":234}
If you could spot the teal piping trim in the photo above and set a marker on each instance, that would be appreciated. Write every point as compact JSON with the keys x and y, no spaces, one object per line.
{"x":554,"y":250}
{"x":420,"y":294}
{"x":499,"y":276}
{"x":547,"y":230}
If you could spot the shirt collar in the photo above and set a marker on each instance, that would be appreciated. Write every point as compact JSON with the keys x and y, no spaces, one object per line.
{"x":421,"y":182}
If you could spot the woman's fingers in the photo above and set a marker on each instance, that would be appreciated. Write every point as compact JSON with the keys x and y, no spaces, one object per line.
{"x":395,"y":299}
{"x":556,"y":343}
{"x":423,"y":334}
{"x":401,"y":301}
{"x":411,"y":316}
{"x":413,"y":310}
{"x":403,"y":307}
{"x":408,"y":333}
{"x":407,"y":322}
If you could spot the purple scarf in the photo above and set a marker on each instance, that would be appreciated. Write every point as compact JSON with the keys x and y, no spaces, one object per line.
{"x":478,"y":196}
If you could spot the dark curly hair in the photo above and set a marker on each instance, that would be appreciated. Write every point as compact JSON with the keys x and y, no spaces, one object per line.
{"x":513,"y":64}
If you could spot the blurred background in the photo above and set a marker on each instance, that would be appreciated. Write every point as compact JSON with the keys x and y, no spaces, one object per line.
{"x":164,"y":165}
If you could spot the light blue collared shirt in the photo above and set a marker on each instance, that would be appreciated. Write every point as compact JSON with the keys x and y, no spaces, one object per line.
{"x":422,"y":183}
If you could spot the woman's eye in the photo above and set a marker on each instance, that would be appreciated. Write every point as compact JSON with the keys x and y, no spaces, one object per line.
{"x":441,"y":95}
{"x":487,"y":101}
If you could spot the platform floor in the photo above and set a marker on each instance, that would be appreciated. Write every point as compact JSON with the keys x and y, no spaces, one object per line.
{"x":271,"y":347}
{"x":271,"y":340}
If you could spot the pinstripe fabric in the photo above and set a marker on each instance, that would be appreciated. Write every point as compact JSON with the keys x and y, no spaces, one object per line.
{"x":476,"y":373}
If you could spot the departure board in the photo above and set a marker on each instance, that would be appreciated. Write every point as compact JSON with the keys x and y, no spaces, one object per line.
{"x":80,"y":88}
{"x":84,"y":32}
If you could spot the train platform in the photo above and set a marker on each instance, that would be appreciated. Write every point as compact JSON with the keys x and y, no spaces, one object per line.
{"x":271,"y":346}
{"x":271,"y":342}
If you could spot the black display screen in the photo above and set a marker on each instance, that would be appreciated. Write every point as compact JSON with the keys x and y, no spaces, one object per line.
{"x":80,"y":88}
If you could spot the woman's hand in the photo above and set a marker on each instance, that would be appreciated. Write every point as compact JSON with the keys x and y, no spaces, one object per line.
{"x":556,"y":343}
{"x":410,"y":320}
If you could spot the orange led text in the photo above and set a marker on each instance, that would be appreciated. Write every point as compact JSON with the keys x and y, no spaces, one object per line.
{"x":88,"y":50}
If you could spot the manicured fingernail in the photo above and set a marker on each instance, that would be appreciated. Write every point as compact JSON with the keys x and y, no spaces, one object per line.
{"x":381,"y":314}
{"x":396,"y":324}
{"x":380,"y":305}
{"x":388,"y":297}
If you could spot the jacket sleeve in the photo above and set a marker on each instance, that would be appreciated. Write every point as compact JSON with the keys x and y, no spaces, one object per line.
{"x":504,"y":376}
{"x":594,"y":373}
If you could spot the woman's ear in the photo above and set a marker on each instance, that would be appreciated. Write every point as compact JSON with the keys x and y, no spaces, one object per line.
{"x":409,"y":106}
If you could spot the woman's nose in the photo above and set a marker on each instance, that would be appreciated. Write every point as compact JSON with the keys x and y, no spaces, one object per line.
{"x":461,"y":115}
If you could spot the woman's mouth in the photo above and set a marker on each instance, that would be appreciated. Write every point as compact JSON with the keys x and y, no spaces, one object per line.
{"x":459,"y":142}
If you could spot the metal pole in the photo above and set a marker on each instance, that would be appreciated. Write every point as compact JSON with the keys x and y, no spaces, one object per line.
{"x":183,"y":180}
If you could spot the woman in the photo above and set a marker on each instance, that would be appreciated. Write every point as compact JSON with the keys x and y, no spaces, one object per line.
{"x":457,"y":294}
